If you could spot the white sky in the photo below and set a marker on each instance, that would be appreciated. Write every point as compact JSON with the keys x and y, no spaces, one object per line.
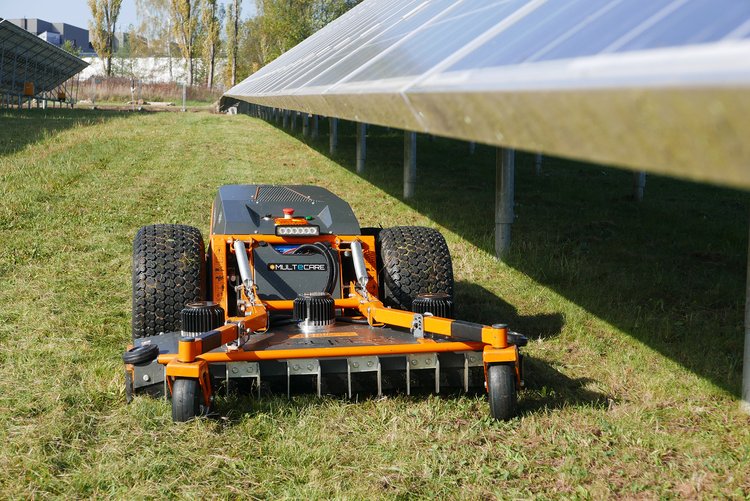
{"x":77,"y":13}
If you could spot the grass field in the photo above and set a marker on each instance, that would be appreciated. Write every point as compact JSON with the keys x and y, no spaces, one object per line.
{"x":634,"y":311}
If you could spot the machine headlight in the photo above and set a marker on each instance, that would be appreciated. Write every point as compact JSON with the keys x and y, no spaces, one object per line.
{"x":307,"y":230}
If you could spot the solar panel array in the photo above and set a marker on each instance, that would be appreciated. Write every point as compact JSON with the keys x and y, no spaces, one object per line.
{"x":655,"y":84}
{"x":25,"y":57}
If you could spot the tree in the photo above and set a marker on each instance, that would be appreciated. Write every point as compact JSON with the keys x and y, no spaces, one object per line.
{"x":155,"y":25}
{"x":185,"y":15}
{"x":102,"y":28}
{"x":213,"y":15}
{"x":70,"y":46}
{"x":233,"y":31}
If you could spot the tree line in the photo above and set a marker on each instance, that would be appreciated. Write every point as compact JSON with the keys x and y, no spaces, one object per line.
{"x":209,"y":30}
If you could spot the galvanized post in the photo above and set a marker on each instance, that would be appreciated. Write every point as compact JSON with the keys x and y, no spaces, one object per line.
{"x":410,"y":163}
{"x":314,"y":127}
{"x":184,"y":97}
{"x":361,"y":146}
{"x":504,"y":193}
{"x":639,"y":183}
{"x":745,"y":402}
{"x":285,"y":118}
{"x":333,"y":135}
{"x":305,"y":124}
{"x":538,"y":164}
{"x":293,"y":117}
{"x":472,"y":147}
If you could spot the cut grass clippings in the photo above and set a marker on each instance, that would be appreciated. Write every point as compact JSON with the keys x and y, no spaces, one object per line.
{"x":634,"y":313}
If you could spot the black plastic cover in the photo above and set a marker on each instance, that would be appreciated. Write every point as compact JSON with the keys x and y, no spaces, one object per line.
{"x":246,"y":209}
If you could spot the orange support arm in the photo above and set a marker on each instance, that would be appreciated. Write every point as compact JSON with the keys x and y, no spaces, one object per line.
{"x":493,"y":336}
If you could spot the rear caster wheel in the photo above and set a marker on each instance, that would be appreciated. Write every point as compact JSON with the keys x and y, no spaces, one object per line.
{"x":187,"y":399}
{"x":501,"y":385}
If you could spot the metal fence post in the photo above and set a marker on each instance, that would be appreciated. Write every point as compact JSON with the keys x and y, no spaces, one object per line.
{"x":333,"y":135}
{"x":504,"y":199}
{"x":361,"y":146}
{"x":410,"y":163}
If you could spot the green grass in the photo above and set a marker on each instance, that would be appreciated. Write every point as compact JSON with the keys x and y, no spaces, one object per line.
{"x":634,"y":310}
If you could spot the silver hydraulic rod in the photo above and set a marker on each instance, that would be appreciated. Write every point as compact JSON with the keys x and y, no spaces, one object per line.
{"x":244,"y":265}
{"x":359,"y":264}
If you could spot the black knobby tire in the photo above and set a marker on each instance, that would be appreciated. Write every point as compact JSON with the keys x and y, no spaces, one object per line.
{"x":414,"y":260}
{"x":501,"y":386}
{"x":168,"y":272}
{"x":186,"y":399}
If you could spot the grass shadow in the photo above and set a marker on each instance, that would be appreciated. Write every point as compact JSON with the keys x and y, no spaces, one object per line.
{"x":669,"y":271}
{"x":20,"y":128}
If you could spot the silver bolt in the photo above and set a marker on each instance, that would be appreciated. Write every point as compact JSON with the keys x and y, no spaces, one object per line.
{"x":369,"y":364}
{"x":427,"y":361}
{"x":234,"y":370}
{"x":414,"y":362}
{"x":249,"y":369}
{"x":355,"y":364}
{"x":146,"y":378}
{"x":295,"y":367}
{"x":309,"y":367}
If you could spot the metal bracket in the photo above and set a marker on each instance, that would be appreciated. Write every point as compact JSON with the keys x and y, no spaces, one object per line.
{"x":241,"y":370}
{"x":363,"y":364}
{"x":417,"y":325}
{"x":148,"y":375}
{"x":302,"y":367}
{"x":471,"y":359}
{"x":420,"y":361}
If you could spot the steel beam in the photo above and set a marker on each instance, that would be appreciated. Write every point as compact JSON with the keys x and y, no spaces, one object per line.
{"x":410,"y":163}
{"x":361,"y":146}
{"x":333,"y":135}
{"x":745,"y":402}
{"x":305,"y":125}
{"x":504,"y":199}
{"x":639,"y":184}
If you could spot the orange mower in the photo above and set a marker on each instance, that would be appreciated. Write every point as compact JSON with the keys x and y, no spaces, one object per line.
{"x":293,"y":295}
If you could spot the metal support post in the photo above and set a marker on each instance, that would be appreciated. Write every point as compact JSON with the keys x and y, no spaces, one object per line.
{"x":314,"y":132}
{"x":293,"y":117}
{"x":305,"y":124}
{"x":184,"y":97}
{"x":639,"y":183}
{"x":361,"y":146}
{"x":472,"y":147}
{"x":285,"y":118}
{"x":410,"y":163}
{"x":538,"y":164}
{"x":504,"y":194}
{"x":333,"y":135}
{"x":745,"y":402}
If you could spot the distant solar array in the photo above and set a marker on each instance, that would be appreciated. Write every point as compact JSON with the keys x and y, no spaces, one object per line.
{"x":655,"y":84}
{"x":26,"y":58}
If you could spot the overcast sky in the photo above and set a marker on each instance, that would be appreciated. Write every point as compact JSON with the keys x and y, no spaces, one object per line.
{"x":76,"y":12}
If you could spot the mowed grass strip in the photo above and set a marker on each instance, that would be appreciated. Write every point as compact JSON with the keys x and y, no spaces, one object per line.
{"x":616,"y":407}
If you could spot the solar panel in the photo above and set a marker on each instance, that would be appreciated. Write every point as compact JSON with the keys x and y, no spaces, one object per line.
{"x":661,"y":85}
{"x":25,"y":57}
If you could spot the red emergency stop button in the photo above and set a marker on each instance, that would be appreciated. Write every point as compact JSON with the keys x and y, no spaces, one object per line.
{"x":288,"y":213}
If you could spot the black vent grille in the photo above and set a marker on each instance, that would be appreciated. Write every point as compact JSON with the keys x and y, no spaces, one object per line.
{"x":280,"y":194}
{"x":201,"y":316}
{"x":439,"y":304}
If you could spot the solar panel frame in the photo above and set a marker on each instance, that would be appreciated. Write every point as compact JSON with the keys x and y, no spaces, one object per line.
{"x":52,"y":65}
{"x":557,"y":86}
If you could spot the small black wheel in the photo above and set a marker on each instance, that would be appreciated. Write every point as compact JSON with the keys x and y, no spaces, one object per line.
{"x":141,"y":355}
{"x":501,"y":385}
{"x":187,"y":399}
